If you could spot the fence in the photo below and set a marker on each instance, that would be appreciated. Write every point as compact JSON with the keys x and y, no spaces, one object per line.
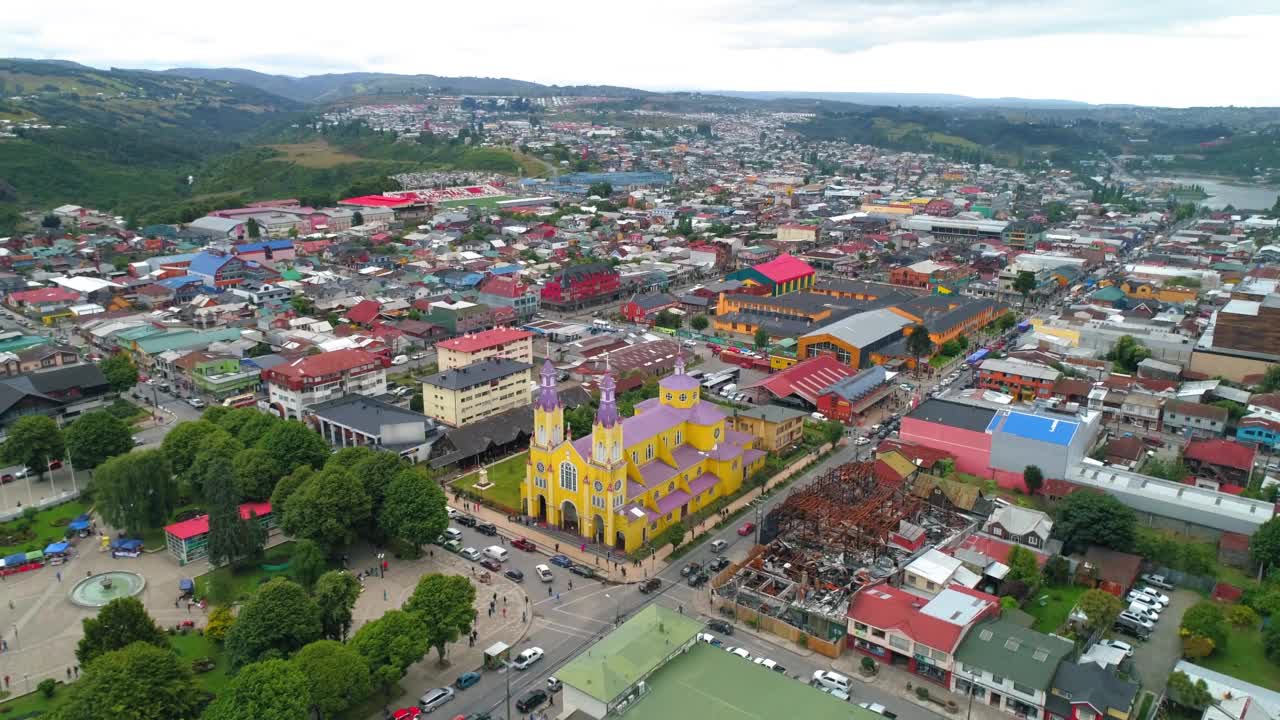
{"x":44,"y":503}
{"x":1181,"y":579}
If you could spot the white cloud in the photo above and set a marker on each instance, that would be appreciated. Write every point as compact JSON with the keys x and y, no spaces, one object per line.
{"x":1176,"y":52}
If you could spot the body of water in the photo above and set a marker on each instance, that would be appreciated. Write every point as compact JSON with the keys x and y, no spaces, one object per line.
{"x":1223,"y":193}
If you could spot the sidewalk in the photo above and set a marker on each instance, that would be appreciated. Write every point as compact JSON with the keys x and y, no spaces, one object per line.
{"x":552,"y":541}
{"x":894,"y":680}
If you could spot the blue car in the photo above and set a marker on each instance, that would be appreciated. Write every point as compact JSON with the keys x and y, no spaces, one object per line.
{"x":561,"y":561}
{"x":466,"y":680}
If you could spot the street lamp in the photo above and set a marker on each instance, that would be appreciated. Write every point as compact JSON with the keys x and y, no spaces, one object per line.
{"x":617,"y":609}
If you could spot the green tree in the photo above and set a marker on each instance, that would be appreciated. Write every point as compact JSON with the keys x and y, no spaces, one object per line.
{"x":375,"y":472}
{"x":268,"y":690}
{"x":328,"y":508}
{"x":1057,"y":571}
{"x":579,"y":420}
{"x":699,"y":322}
{"x":136,"y":491}
{"x":357,"y":218}
{"x":919,"y":344}
{"x":1022,"y":565}
{"x":1086,"y":519}
{"x":600,"y":189}
{"x":1024,"y":284}
{"x":96,"y":436}
{"x":445,"y":603}
{"x":288,"y":485}
{"x":51,"y":222}
{"x":1006,"y":321}
{"x":120,"y":372}
{"x":294,"y":444}
{"x":251,"y":228}
{"x":414,"y":510}
{"x":118,"y":624}
{"x":337,"y":676}
{"x":336,"y":594}
{"x":668,"y":319}
{"x":1242,"y":616}
{"x":308,"y":563}
{"x":391,"y":644}
{"x":182,"y":442}
{"x":1271,"y":642}
{"x":1100,"y":608}
{"x":762,"y":338}
{"x":1264,"y":545}
{"x":1127,"y":353}
{"x":1206,"y":618}
{"x":1032,"y":478}
{"x":1270,"y":380}
{"x":33,"y":440}
{"x":256,"y":473}
{"x":221,"y":619}
{"x":214,"y":450}
{"x":302,"y":305}
{"x":139,"y":682}
{"x":277,"y":621}
{"x":230,"y":537}
{"x":1187,"y":693}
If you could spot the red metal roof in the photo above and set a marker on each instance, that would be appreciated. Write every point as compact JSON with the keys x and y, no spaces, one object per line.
{"x":484,"y":340}
{"x":995,"y":549}
{"x":197,"y":526}
{"x":807,"y":379}
{"x":364,"y":311}
{"x":44,"y":295}
{"x":329,"y":363}
{"x":784,"y":268}
{"x":1227,"y":453}
{"x":383,"y":201}
{"x":889,"y":608}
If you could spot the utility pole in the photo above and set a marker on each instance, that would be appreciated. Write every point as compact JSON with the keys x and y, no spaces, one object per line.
{"x":507,"y":704}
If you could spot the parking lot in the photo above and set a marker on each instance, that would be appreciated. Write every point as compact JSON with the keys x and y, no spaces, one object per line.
{"x":1154,"y":659}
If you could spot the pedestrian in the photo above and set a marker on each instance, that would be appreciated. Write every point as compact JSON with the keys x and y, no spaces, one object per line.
{"x":624,"y":572}
{"x":504,"y":601}
{"x":59,"y":574}
{"x":504,"y":613}
{"x":6,"y":682}
{"x":524,"y":616}
{"x":548,"y":591}
{"x":10,"y":604}
{"x":176,"y":603}
{"x":570,"y":583}
{"x":557,"y":597}
{"x":68,"y":673}
{"x":557,"y":547}
{"x":682,"y":609}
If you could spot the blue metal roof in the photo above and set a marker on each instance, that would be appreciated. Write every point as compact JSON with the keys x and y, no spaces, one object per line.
{"x":260,"y":246}
{"x":208,"y":264}
{"x":504,"y":269}
{"x":1056,"y":431}
{"x":174,"y":283}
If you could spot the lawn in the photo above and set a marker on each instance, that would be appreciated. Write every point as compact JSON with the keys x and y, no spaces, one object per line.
{"x":938,"y":362}
{"x":49,"y":526}
{"x":506,"y":477}
{"x":1244,"y":659}
{"x":227,"y":584}
{"x":33,"y":704}
{"x":314,"y":154}
{"x":482,"y":202}
{"x":190,"y":647}
{"x":1053,"y":613}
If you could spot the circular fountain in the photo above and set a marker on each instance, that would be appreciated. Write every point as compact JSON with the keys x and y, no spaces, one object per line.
{"x":100,"y":589}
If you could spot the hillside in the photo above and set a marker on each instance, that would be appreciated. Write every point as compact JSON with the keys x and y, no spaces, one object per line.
{"x":341,"y":86}
{"x":937,"y":100}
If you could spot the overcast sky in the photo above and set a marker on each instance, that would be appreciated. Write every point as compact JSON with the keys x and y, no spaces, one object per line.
{"x":1151,"y":52}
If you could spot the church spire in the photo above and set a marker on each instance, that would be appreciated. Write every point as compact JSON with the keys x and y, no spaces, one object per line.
{"x":679,"y":362}
{"x":607,"y":415}
{"x":548,"y":398}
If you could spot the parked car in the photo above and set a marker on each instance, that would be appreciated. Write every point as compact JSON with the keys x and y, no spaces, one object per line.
{"x":1157,"y":581}
{"x":195,"y":403}
{"x":531,"y":700}
{"x":746,"y":528}
{"x":718,"y":546}
{"x":470,"y":553}
{"x":433,"y":699}
{"x":452,"y":546}
{"x":583,"y":571}
{"x":709,"y":639}
{"x":526,"y":545}
{"x":720,"y":626}
{"x":740,"y":652}
{"x":559,"y":560}
{"x":829,"y":679}
{"x":400,"y":360}
{"x":698,"y":579}
{"x":554,"y":685}
{"x":544,"y":573}
{"x":467,"y":520}
{"x":487,"y":529}
{"x":690,"y":568}
{"x":490,"y":564}
{"x":770,"y":664}
{"x":527,"y":657}
{"x":1120,"y":645}
{"x":878,"y":709}
{"x":718,"y":564}
{"x":650,"y":585}
{"x":1164,"y":599}
{"x":514,"y":575}
{"x":466,"y":680}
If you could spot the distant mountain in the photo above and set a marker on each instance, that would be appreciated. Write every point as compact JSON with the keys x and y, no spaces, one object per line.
{"x":341,"y":86}
{"x":939,"y":100}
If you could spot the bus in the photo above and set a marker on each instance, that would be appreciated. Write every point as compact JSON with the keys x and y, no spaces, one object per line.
{"x":239,"y":401}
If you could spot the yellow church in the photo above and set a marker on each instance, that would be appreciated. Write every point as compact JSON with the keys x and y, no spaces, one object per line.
{"x":633,"y":477}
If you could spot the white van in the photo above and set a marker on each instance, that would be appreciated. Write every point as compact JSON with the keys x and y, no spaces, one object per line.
{"x":831,"y":680}
{"x":497,"y":553}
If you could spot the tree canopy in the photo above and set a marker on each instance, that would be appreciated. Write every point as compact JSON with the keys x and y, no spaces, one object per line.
{"x":120,"y":372}
{"x":1187,"y":693}
{"x":336,"y":594}
{"x":33,"y":440}
{"x":136,"y":491}
{"x":328,"y":508}
{"x":96,"y":436}
{"x":391,"y":644}
{"x":1085,"y":519}
{"x":256,"y":473}
{"x":277,"y":621}
{"x":1207,"y":619}
{"x":1100,"y":607}
{"x":1127,"y":353}
{"x":415,"y":509}
{"x":446,"y":605}
{"x":294,"y":444}
{"x":118,"y":624}
{"x":1264,"y":545}
{"x":138,"y":682}
{"x":1032,"y":478}
{"x":1022,"y":565}
{"x":307,"y":563}
{"x":269,"y":690}
{"x":337,"y":676}
{"x":918,"y":343}
{"x":182,"y":442}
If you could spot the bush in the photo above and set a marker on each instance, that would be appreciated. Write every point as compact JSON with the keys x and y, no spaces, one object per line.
{"x":202,"y":665}
{"x":868,"y":665}
{"x":47,"y":687}
{"x":1242,"y":616}
{"x":922,"y":692}
{"x":1206,"y":618}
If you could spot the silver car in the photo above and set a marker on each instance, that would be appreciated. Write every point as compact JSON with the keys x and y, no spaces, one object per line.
{"x":433,"y":699}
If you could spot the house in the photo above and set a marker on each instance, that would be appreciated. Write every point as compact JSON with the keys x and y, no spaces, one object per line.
{"x":64,"y":392}
{"x":33,"y":359}
{"x":898,"y":627}
{"x":43,"y":302}
{"x":364,"y":313}
{"x":849,"y":399}
{"x":577,"y":286}
{"x":775,"y":428}
{"x":508,"y":343}
{"x":1088,"y":691}
{"x":1193,"y":419}
{"x":509,"y":291}
{"x":295,"y":386}
{"x":217,"y":269}
{"x":1115,"y":571}
{"x":463,"y":395}
{"x":1259,"y":430}
{"x":646,"y":308}
{"x":217,"y":375}
{"x":1142,"y":410}
{"x":1009,"y":667}
{"x":1023,"y":380}
{"x":1021,"y":525}
{"x":779,"y":276}
{"x":935,"y":571}
{"x":1219,"y":462}
{"x":362,"y":421}
{"x":1125,"y":451}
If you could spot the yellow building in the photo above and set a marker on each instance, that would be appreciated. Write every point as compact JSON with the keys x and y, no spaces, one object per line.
{"x":775,"y":428}
{"x":633,"y":477}
{"x":468,"y":394}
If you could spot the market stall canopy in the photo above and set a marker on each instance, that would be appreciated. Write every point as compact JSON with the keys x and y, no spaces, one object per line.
{"x":56,"y":548}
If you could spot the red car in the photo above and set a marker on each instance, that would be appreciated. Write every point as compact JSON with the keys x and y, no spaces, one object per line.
{"x":524,"y":544}
{"x":407,"y":714}
{"x":55,"y":464}
{"x":746,"y":528}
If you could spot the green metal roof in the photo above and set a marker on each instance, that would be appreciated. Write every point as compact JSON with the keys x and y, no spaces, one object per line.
{"x":1009,"y":650}
{"x":22,"y":342}
{"x":291,"y":274}
{"x":187,"y":340}
{"x":614,"y":664}
{"x":1111,"y":293}
{"x":708,"y":683}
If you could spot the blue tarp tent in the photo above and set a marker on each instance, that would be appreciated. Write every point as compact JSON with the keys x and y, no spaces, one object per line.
{"x":16,"y":560}
{"x":127,"y":545}
{"x":78,"y":525}
{"x":186,"y":585}
{"x":56,"y":548}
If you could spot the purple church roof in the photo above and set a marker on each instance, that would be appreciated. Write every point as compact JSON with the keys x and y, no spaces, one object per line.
{"x":679,"y":383}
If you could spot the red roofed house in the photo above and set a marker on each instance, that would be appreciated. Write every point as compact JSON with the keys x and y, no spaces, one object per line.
{"x":899,"y":627}
{"x":781,"y":275}
{"x":1219,"y":462}
{"x":364,"y":312}
{"x":189,"y":540}
{"x":294,"y":386}
{"x":43,"y":301}
{"x":502,"y":342}
{"x":579,"y":285}
{"x":647,"y":308}
{"x":509,"y":291}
